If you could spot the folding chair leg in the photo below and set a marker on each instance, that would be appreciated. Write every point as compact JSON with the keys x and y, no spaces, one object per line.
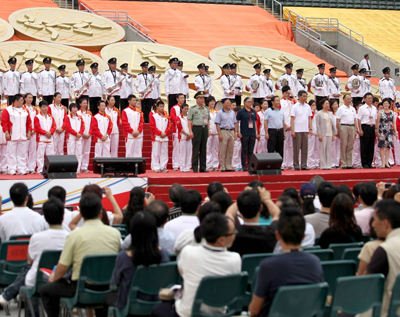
{"x":80,"y":313}
{"x":7,"y":310}
{"x":20,"y":304}
{"x":42,"y":312}
{"x":30,"y":305}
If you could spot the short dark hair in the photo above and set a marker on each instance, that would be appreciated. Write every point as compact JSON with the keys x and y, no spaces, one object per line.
{"x":184,"y":105}
{"x":392,"y":191}
{"x":293,"y":193}
{"x":178,"y":95}
{"x":176,"y":192}
{"x":224,"y":99}
{"x":209,"y":99}
{"x":213,"y":226}
{"x":30,"y":202}
{"x":249,"y":203}
{"x":311,"y":101}
{"x":213,"y":188}
{"x":191,"y":201}
{"x":82,"y":100}
{"x":43,"y":103}
{"x":344,"y":189}
{"x":223,"y":200}
{"x":18,"y":97}
{"x":368,"y":94}
{"x":316,"y":181}
{"x":90,"y":206}
{"x":94,"y":189}
{"x":389,"y":209}
{"x":72,"y":105}
{"x":58,"y":192}
{"x":322,"y":101}
{"x":273,"y":98}
{"x":255,"y":184}
{"x":356,"y":189}
{"x":53,"y":211}
{"x":291,"y":225}
{"x":301,"y":93}
{"x":131,"y":96}
{"x":376,"y":99}
{"x":56,"y":94}
{"x":344,"y":96}
{"x":159,"y":210}
{"x":285,"y":88}
{"x":369,"y":194}
{"x":18,"y":193}
{"x":327,"y":193}
{"x":366,"y":55}
{"x":99,"y":102}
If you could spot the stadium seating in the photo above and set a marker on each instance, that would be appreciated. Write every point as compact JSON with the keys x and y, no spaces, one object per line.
{"x":353,"y":4}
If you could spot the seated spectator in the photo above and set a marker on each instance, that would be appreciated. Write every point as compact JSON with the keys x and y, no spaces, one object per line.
{"x":30,"y":202}
{"x":344,"y":189}
{"x":191,"y":202}
{"x":213,"y":188}
{"x":135,"y":204}
{"x":176,"y":192}
{"x":265,"y":217}
{"x":392,"y":191}
{"x":144,"y":250}
{"x":368,"y":197}
{"x":91,"y":239}
{"x":386,"y":258}
{"x":61,"y":194}
{"x":356,"y":192}
{"x":291,"y":268}
{"x":51,"y":239}
{"x":223,"y":199}
{"x":366,"y":254}
{"x":316,"y":181}
{"x":196,"y":262}
{"x":343,"y":227}
{"x":166,"y":239}
{"x":292,"y":193}
{"x":320,"y":220}
{"x":20,"y":220}
{"x":307,"y":196}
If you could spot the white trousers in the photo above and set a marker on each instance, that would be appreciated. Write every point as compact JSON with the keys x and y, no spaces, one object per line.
{"x":356,"y":152}
{"x":133,"y":147}
{"x":75,"y":148}
{"x":176,"y":160}
{"x":212,"y":152}
{"x":261,"y":145}
{"x":102,"y":149}
{"x":288,"y":151}
{"x":159,"y":155}
{"x":16,"y":157}
{"x":377,"y":156}
{"x":32,"y":153}
{"x":396,"y":147}
{"x":114,"y":142}
{"x":236,"y":158}
{"x":3,"y":158}
{"x":42,"y":150}
{"x":86,"y":147}
{"x":58,"y":140}
{"x":336,"y":152}
{"x":313,"y":152}
{"x":185,"y":155}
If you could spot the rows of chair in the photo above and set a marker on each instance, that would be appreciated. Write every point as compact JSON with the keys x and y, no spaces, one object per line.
{"x":355,"y":4}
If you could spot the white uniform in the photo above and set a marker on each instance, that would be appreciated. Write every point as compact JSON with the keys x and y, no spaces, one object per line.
{"x":184,"y":84}
{"x":322,"y":91}
{"x":357,"y":152}
{"x":32,"y":144}
{"x":1,"y":83}
{"x":47,"y":82}
{"x":155,"y":92}
{"x":86,"y":143}
{"x":63,"y":86}
{"x":238,"y":84}
{"x":212,"y":161}
{"x":44,"y":124}
{"x":365,"y":64}
{"x":74,"y":125}
{"x":29,"y":83}
{"x":260,"y":92}
{"x":300,"y":85}
{"x":96,"y":87}
{"x":286,"y":107}
{"x":110,"y":78}
{"x":269,"y":88}
{"x":261,"y":144}
{"x":59,"y":113}
{"x":366,"y":85}
{"x":132,"y":120}
{"x":291,"y":81}
{"x":126,"y":87}
{"x":174,"y":113}
{"x":101,"y":127}
{"x":334,"y":87}
{"x":202,"y":83}
{"x":11,"y":80}
{"x":313,"y":145}
{"x":335,"y":149}
{"x":114,"y":114}
{"x":237,"y":150}
{"x":3,"y":152}
{"x":185,"y":146}
{"x":387,"y":88}
{"x":78,"y":79}
{"x":142,"y":81}
{"x":173,"y":81}
{"x":159,"y":151}
{"x":227,"y":85}
{"x":355,"y":92}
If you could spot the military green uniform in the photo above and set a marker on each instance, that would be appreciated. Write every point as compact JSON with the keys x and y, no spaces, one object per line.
{"x":199,"y":117}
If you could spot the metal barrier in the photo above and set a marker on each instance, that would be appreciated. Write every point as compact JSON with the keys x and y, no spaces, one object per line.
{"x":274,"y":4}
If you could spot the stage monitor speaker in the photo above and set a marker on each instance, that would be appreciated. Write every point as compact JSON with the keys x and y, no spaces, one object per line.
{"x":119,"y":166}
{"x":60,"y":166}
{"x":265,"y":164}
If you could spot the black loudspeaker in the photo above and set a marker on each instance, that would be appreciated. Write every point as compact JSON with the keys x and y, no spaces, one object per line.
{"x":60,"y":166}
{"x":119,"y":166}
{"x":265,"y":164}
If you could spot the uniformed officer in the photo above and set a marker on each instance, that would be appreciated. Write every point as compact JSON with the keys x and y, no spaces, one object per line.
{"x":387,"y":89}
{"x":199,"y":117}
{"x":256,"y":85}
{"x":112,"y":81}
{"x":203,"y":81}
{"x":238,"y":84}
{"x":335,"y":89}
{"x":79,"y":81}
{"x":227,"y":83}
{"x":287,"y":79}
{"x":320,"y":84}
{"x":126,"y":87}
{"x":1,"y":84}
{"x":155,"y":90}
{"x":47,"y":82}
{"x":365,"y":82}
{"x":268,"y":87}
{"x":63,"y":86}
{"x":96,"y":88}
{"x":172,"y":82}
{"x":11,"y":80}
{"x":300,"y":82}
{"x":354,"y":86}
{"x":184,"y":83}
{"x":143,"y":80}
{"x":29,"y":81}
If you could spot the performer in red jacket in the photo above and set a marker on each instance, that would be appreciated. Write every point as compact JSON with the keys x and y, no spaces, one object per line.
{"x":132,"y":123}
{"x":101,"y":130}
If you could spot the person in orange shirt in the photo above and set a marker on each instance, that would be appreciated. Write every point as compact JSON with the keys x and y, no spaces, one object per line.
{"x":45,"y":126}
{"x":32,"y":144}
{"x":101,"y":130}
{"x":175,"y":112}
{"x":185,"y":139}
{"x":87,"y":118}
{"x":132,"y":123}
{"x":3,"y":149}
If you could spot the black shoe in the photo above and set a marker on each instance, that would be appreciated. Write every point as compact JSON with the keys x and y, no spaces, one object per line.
{"x":224,"y":171}
{"x":194,"y":171}
{"x":344,"y":168}
{"x":351,"y":168}
{"x":245,"y":170}
{"x":305,"y":169}
{"x":365,"y":166}
{"x":230,"y":170}
{"x":370,"y":166}
{"x":204,"y":171}
{"x":297,"y":168}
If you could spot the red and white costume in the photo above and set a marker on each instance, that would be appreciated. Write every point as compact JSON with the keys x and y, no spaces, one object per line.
{"x":101,"y":125}
{"x":115,"y":116}
{"x":59,"y":113}
{"x":286,"y":107}
{"x":261,"y":144}
{"x":237,"y":152}
{"x":396,"y":141}
{"x":87,"y":118}
{"x":185,"y":144}
{"x":74,"y":125}
{"x":45,"y":146}
{"x":313,"y":144}
{"x":133,"y":120}
{"x":159,"y":153}
{"x":3,"y":152}
{"x":175,"y":112}
{"x":32,"y":143}
{"x":212,"y":161}
{"x":18,"y":123}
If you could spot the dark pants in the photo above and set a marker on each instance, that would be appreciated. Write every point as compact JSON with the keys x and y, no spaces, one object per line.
{"x":248,"y":143}
{"x":78,"y":100}
{"x":147,"y":104}
{"x":199,"y":143}
{"x":93,"y":104}
{"x":65,"y":102}
{"x":238,"y":100}
{"x":117,"y":101}
{"x":258,"y":100}
{"x":367,"y":145}
{"x":269,"y":103}
{"x":356,"y":101}
{"x":165,"y":309}
{"x":124,"y":104}
{"x":34,"y":101}
{"x":10,"y":100}
{"x":317,"y":100}
{"x":275,"y":141}
{"x":172,"y":101}
{"x":49,"y":99}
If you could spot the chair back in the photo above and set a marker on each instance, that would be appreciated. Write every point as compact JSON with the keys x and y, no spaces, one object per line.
{"x":300,"y":300}
{"x":358,"y":294}
{"x":352,"y":254}
{"x":335,"y":269}
{"x":13,"y":257}
{"x":338,"y":248}
{"x":323,"y":255}
{"x":48,"y":260}
{"x":221,"y":291}
{"x":19,"y":238}
{"x":315,"y":247}
{"x":395,"y":300}
{"x":123,"y":229}
{"x":251,"y":261}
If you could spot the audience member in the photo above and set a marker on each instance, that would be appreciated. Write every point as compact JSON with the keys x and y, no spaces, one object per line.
{"x":213,"y":188}
{"x":344,"y":189}
{"x":20,"y":220}
{"x":60,"y":193}
{"x":91,"y":239}
{"x":291,"y":268}
{"x":320,"y":220}
{"x":356,"y":192}
{"x":223,"y":199}
{"x":342,"y":223}
{"x":368,"y":197}
{"x":292,"y":193}
{"x":307,"y":196}
{"x":366,"y":254}
{"x":316,"y":181}
{"x":176,"y":192}
{"x":265,"y":217}
{"x":392,"y":191}
{"x":135,"y":204}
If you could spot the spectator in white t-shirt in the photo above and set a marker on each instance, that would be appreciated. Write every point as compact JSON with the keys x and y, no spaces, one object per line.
{"x":60,"y":193}
{"x":368,"y":197}
{"x":209,"y":259}
{"x":190,"y":205}
{"x":51,"y":239}
{"x":20,"y":220}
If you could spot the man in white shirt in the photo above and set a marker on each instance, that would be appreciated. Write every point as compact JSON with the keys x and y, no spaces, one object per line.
{"x":190,"y":204}
{"x":112,"y":81}
{"x":346,"y":121}
{"x":286,"y":106}
{"x":60,"y":193}
{"x":63,"y":86}
{"x":334,"y":88}
{"x":368,"y":197}
{"x":29,"y":81}
{"x":126,"y":87}
{"x":300,"y":83}
{"x":20,"y":220}
{"x":172,"y":82}
{"x":184,"y":83}
{"x":47,"y":81}
{"x":354,"y":86}
{"x":203,"y":81}
{"x":256,"y":85}
{"x":80,"y":81}
{"x":227,"y":83}
{"x":365,"y":63}
{"x":365,"y":82}
{"x":238,"y":84}
{"x":301,"y":127}
{"x":96,"y":88}
{"x":320,"y":84}
{"x":288,"y":79}
{"x":387,"y":88}
{"x":269,"y":86}
{"x":11,"y":80}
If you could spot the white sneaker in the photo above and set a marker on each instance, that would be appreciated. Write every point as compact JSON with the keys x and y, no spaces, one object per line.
{"x":3,"y":302}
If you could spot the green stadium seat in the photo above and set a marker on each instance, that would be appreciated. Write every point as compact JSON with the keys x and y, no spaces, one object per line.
{"x":366,"y":4}
{"x":395,"y":300}
{"x":323,"y":255}
{"x":335,"y":269}
{"x":308,"y":4}
{"x":352,"y":254}
{"x":333,"y":4}
{"x":19,"y":238}
{"x":315,"y":247}
{"x":123,"y":229}
{"x":338,"y":248}
{"x":13,"y":257}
